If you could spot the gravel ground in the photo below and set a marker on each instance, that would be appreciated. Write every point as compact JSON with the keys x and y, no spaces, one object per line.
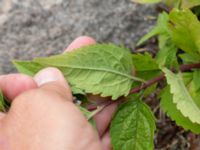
{"x":31,"y":28}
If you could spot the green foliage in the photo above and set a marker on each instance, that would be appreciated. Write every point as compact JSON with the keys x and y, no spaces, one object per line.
{"x":190,"y":3}
{"x":170,"y":109}
{"x":144,"y":62}
{"x":95,"y":69}
{"x":166,"y":55}
{"x":145,"y":65}
{"x":172,"y":3}
{"x":190,"y":80}
{"x":146,"y":1}
{"x":133,"y":126}
{"x":160,"y":28}
{"x":188,"y":59}
{"x":88,"y":115}
{"x":180,"y":30}
{"x":185,"y":28}
{"x":2,"y":108}
{"x":3,"y":103}
{"x":147,"y":68}
{"x":27,"y":67}
{"x":196,"y":80}
{"x":111,"y":71}
{"x":181,"y":96}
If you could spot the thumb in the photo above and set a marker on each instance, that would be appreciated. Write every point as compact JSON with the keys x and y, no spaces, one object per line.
{"x":1,"y":115}
{"x":42,"y":118}
{"x":53,"y":81}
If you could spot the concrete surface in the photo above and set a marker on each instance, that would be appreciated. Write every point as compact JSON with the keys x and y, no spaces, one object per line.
{"x":32,"y":28}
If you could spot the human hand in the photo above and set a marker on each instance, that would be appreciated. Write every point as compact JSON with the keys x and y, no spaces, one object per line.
{"x":42,"y":115}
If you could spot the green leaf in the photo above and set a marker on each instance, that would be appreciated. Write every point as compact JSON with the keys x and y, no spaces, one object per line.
{"x":31,"y":68}
{"x":190,"y":3}
{"x":185,"y":28}
{"x":2,"y":107}
{"x":133,"y":127}
{"x":187,"y":77}
{"x":151,"y":89}
{"x":191,"y":81}
{"x":146,"y":1}
{"x":196,"y":78}
{"x":188,"y":59}
{"x":3,"y":104}
{"x":173,"y":3}
{"x":76,"y":90}
{"x":167,"y":55}
{"x":160,"y":28}
{"x":170,"y":109}
{"x":27,"y":67}
{"x":99,"y":69}
{"x":152,"y":33}
{"x":147,"y":75}
{"x":146,"y":68}
{"x":144,"y":62}
{"x":181,"y":96}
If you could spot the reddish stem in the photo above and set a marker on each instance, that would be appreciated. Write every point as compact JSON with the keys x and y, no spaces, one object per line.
{"x":183,"y":68}
{"x":147,"y":84}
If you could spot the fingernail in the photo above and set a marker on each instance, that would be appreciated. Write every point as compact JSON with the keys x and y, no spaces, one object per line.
{"x":48,"y":75}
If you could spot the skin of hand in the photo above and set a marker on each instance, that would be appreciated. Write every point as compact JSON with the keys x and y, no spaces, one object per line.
{"x":43,"y":116}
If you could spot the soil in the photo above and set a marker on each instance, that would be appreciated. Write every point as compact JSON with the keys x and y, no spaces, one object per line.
{"x":32,"y":28}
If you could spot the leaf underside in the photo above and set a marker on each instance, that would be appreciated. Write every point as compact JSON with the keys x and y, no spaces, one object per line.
{"x":181,"y":96}
{"x":99,"y":69}
{"x":27,"y":67}
{"x":170,"y":108}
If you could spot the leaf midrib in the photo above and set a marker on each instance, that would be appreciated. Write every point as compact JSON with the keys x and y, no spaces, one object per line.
{"x":106,"y":70}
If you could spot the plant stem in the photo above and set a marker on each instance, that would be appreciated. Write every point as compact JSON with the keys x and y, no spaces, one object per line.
{"x":147,"y":84}
{"x":182,"y":68}
{"x":188,"y":67}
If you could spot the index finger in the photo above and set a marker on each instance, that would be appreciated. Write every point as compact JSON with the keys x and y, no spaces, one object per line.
{"x":80,"y":42}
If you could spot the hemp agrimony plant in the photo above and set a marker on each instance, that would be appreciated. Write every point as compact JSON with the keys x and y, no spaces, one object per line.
{"x":113,"y":71}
